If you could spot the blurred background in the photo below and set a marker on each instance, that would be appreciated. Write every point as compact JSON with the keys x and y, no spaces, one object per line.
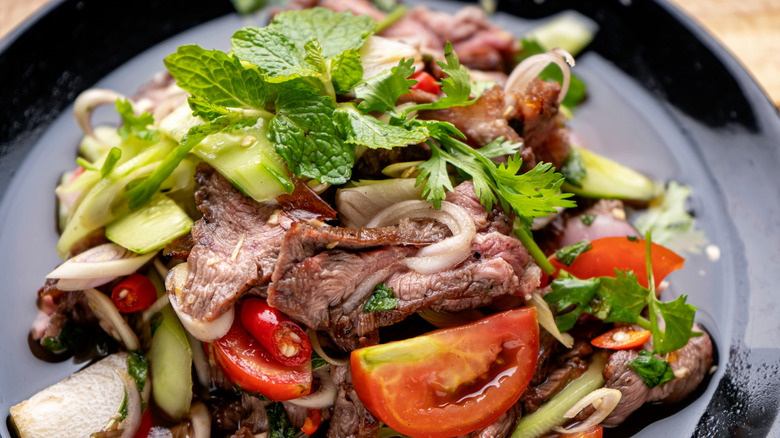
{"x":749,"y":29}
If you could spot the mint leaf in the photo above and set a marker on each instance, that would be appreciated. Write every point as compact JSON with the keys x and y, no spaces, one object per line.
{"x":568,"y":254}
{"x":382,"y":91}
{"x":337,"y":32}
{"x":457,"y":86}
{"x":204,"y":109}
{"x":625,"y":296}
{"x":137,"y":126}
{"x":571,"y":292}
{"x":651,"y":369}
{"x":678,"y":318}
{"x":366,"y":130}
{"x":273,"y":53}
{"x":346,"y":71}
{"x":382,"y":299}
{"x":304,"y":134}
{"x":217,"y":77}
{"x":246,"y":7}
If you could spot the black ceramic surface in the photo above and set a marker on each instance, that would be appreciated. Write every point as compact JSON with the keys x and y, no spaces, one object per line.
{"x":664,"y":98}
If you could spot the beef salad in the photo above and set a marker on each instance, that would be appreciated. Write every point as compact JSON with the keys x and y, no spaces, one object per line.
{"x":364,"y":220}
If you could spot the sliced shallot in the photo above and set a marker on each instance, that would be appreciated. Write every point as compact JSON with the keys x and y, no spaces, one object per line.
{"x":97,"y":266}
{"x":604,"y":400}
{"x":547,"y":321}
{"x":442,"y":255}
{"x":202,"y":330}
{"x":317,"y":347}
{"x":110,"y":319}
{"x":87,"y":102}
{"x":325,"y":395}
{"x":532,"y":66}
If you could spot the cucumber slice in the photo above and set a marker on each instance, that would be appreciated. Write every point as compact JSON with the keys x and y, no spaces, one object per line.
{"x":170,"y":365}
{"x":150,"y":227}
{"x":605,"y":178}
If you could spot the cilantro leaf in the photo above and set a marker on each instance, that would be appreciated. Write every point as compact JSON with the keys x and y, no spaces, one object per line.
{"x":678,"y":318}
{"x":499,"y":148}
{"x":382,"y":91}
{"x":137,"y":126}
{"x":217,"y":77}
{"x":382,"y":299}
{"x":279,"y":425}
{"x":574,"y":169}
{"x":304,"y":134}
{"x":571,"y":292}
{"x":434,"y":177}
{"x":653,"y":370}
{"x":456,"y":87}
{"x":626,"y":297}
{"x":568,"y":254}
{"x":346,"y":71}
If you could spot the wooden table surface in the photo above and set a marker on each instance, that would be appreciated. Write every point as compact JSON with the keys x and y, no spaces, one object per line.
{"x":750,"y":29}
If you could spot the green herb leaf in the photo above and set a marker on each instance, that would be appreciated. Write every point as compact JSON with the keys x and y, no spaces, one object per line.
{"x":278,"y":424}
{"x":317,"y":361}
{"x":574,"y":169}
{"x":571,"y":292}
{"x":304,"y":134}
{"x":273,"y":53}
{"x":346,"y":71}
{"x":500,"y":148}
{"x":678,"y":318}
{"x":651,"y":369}
{"x":138,"y":368}
{"x":137,"y":126}
{"x":217,"y":77}
{"x":204,"y":109}
{"x":670,"y":222}
{"x":110,"y":162}
{"x":366,"y":130}
{"x":625,"y":296}
{"x":246,"y":7}
{"x":434,"y":177}
{"x":587,"y":219}
{"x":382,"y":299}
{"x":568,"y":254}
{"x":382,"y":91}
{"x":456,"y":87}
{"x":336,"y":31}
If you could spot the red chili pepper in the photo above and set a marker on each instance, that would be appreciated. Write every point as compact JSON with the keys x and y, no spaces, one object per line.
{"x":281,"y":336}
{"x":312,"y":422}
{"x":145,"y":425}
{"x":621,"y":338}
{"x":134,"y":293}
{"x":425,"y":82}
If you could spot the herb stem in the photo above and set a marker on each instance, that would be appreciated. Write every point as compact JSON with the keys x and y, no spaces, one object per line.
{"x":524,"y":234}
{"x":391,"y":18}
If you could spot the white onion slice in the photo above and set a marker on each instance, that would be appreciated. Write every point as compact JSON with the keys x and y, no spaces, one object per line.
{"x":532,"y":66}
{"x":359,"y":204}
{"x":325,"y":395}
{"x":442,"y":255}
{"x":314,"y":339}
{"x":87,"y":102}
{"x":112,"y":321}
{"x":603,"y":400}
{"x":199,"y":361}
{"x":201,"y":420}
{"x":205,"y":331}
{"x":545,"y":317}
{"x":97,"y":266}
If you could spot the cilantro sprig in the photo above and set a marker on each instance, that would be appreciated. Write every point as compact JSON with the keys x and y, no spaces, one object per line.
{"x":622,"y":299}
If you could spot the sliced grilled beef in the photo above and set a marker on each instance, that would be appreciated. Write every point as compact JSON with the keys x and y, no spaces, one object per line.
{"x":350,"y":417}
{"x":500,"y":428}
{"x":557,"y":379}
{"x":243,"y":416}
{"x":235,"y":246}
{"x":619,"y":376}
{"x":326,"y":274}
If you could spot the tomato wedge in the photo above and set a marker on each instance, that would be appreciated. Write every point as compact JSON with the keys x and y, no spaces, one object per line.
{"x":610,"y":253}
{"x":250,"y":366}
{"x":621,"y":338}
{"x":425,"y":82}
{"x":451,"y":381}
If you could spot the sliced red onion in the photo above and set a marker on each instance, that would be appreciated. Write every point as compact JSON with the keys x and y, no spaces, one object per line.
{"x":532,"y":66}
{"x":325,"y":395}
{"x":442,"y":255}
{"x":314,"y":339}
{"x":358,"y":204}
{"x":604,"y":400}
{"x":97,"y":266}
{"x":111,"y":320}
{"x":87,"y":102}
{"x":202,"y":330}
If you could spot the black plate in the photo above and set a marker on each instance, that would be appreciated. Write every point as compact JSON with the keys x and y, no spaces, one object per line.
{"x":665,"y":98}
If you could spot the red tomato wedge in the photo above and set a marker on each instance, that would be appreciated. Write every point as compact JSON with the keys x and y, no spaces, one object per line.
{"x":247,"y":364}
{"x":425,"y":82}
{"x":621,"y":338}
{"x":610,"y":253}
{"x":451,"y":381}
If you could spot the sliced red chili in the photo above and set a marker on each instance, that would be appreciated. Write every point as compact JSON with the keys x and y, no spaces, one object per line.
{"x":281,"y":336}
{"x":425,"y":82}
{"x":134,"y":293}
{"x":621,"y":338}
{"x":312,"y":422}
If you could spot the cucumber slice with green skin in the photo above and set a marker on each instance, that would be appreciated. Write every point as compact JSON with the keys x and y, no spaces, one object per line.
{"x":150,"y":227}
{"x":605,"y":178}
{"x":170,"y":365}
